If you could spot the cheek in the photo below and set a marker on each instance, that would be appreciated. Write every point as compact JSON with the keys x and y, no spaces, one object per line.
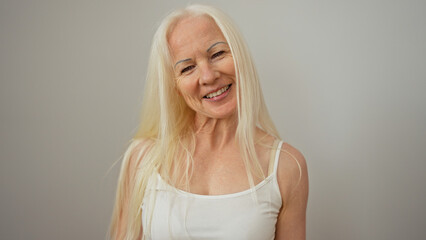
{"x":184,"y":87}
{"x":188,"y":90}
{"x":229,"y":66}
{"x":232,"y":69}
{"x":191,"y":101}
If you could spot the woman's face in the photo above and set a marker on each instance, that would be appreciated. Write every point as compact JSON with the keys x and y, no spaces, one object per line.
{"x":203,"y":67}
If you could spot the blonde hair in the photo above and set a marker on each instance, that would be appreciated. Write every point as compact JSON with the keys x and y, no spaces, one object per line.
{"x":165,"y":139}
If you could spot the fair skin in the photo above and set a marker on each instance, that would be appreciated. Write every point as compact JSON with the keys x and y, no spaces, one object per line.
{"x":203,"y":63}
{"x":205,"y":77}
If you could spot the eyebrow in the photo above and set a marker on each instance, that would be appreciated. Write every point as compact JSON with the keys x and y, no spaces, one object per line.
{"x":214,"y":44}
{"x":183,"y":60}
{"x":208,"y":49}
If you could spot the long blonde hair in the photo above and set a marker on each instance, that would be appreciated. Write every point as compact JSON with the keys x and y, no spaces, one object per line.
{"x":165,"y":131}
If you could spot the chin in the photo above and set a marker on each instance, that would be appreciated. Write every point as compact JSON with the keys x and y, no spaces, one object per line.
{"x":223,"y":114}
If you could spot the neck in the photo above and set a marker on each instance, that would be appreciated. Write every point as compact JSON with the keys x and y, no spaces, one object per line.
{"x":215,"y":133}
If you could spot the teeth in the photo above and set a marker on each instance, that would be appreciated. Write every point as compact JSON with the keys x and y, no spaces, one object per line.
{"x":220,"y":91}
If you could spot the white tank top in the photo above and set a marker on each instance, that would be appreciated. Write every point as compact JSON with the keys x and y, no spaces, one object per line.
{"x":178,"y":214}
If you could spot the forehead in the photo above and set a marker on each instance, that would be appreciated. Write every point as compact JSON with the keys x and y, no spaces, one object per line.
{"x":194,"y":32}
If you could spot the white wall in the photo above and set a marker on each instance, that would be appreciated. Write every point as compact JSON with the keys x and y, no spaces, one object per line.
{"x":344,"y":81}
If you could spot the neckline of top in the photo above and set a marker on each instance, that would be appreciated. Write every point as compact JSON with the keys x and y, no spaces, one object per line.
{"x":229,"y":195}
{"x":226,"y":195}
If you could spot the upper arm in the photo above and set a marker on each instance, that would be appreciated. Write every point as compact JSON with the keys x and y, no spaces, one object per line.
{"x":131,"y":161}
{"x":293,"y":183}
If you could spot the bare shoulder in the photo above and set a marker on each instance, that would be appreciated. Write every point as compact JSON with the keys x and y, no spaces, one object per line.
{"x":291,"y":159}
{"x":135,"y":153}
{"x":292,"y":177}
{"x":292,"y":173}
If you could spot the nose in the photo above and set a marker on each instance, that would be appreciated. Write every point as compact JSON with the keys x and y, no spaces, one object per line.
{"x":207,"y":74}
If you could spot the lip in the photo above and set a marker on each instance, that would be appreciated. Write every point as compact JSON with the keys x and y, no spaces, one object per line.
{"x":217,"y":89}
{"x":219,"y":97}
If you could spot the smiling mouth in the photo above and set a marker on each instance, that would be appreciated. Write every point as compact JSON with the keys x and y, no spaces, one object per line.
{"x":218,"y":92}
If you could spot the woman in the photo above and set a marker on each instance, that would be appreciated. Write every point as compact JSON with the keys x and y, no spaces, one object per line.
{"x":206,"y":162}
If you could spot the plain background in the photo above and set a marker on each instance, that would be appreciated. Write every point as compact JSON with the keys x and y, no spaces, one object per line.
{"x":343,"y":80}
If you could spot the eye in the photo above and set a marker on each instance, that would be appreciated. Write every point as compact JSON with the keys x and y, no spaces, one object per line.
{"x":218,"y":54}
{"x":187,"y":69}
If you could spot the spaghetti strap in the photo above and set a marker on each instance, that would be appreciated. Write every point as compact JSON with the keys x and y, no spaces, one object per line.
{"x":272,"y":157}
{"x":277,"y":156}
{"x":249,"y":214}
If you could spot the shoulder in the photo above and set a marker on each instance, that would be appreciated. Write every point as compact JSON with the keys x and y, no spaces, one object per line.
{"x":292,"y":176}
{"x":137,"y":146}
{"x":292,"y":173}
{"x":133,"y":157}
{"x":291,"y":159}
